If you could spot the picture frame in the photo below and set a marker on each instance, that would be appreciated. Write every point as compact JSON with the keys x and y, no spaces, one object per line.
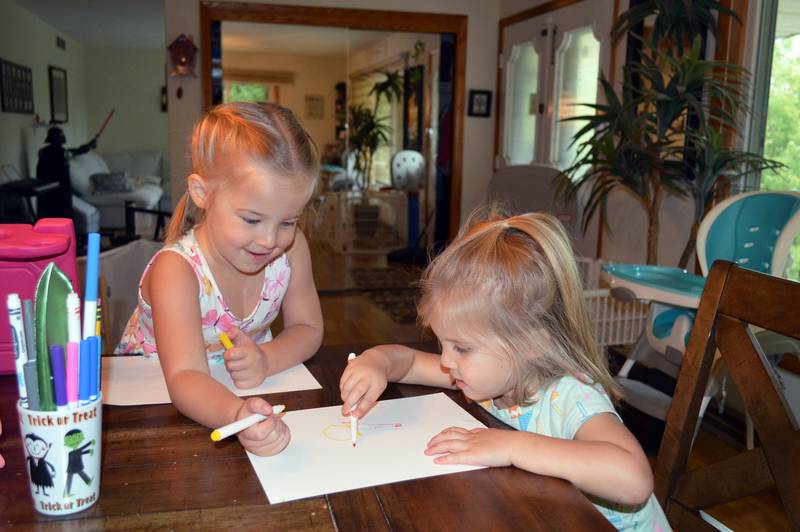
{"x":16,"y":88}
{"x":480,"y":103}
{"x":59,"y":104}
{"x":315,"y":106}
{"x":413,"y":107}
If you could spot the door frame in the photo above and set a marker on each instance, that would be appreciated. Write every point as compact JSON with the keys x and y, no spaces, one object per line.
{"x":357,"y":19}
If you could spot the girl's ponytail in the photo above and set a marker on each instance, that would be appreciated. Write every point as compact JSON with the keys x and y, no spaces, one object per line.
{"x":177,"y":224}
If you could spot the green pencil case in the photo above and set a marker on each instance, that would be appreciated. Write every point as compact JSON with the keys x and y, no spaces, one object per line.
{"x":50,"y":326}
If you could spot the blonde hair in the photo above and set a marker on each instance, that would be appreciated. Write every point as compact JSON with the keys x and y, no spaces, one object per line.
{"x":513,"y":285}
{"x":266,"y":133}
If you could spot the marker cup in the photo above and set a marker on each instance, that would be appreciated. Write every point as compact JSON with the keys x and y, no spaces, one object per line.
{"x":62,"y":454}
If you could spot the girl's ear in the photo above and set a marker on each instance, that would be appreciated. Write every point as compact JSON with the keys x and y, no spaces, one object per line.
{"x":198,"y":190}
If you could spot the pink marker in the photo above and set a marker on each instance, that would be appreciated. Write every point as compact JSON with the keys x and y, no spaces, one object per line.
{"x":73,"y":347}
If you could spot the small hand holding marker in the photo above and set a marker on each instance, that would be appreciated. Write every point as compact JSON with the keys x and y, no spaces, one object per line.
{"x":244,"y":360}
{"x":258,"y":427}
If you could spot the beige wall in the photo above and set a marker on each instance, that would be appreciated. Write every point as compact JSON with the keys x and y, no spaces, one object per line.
{"x":313,"y":75}
{"x":28,"y":41}
{"x":130,"y":82}
{"x":182,"y":16}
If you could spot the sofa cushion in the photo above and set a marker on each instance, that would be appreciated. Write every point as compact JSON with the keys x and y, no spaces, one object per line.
{"x":146,"y":197}
{"x":81,"y":170}
{"x":143,"y":163}
{"x":113,"y":182}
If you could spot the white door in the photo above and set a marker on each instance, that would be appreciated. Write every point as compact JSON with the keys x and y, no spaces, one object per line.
{"x":550,"y":64}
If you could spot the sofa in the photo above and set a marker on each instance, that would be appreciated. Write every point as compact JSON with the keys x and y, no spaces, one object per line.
{"x":143,"y":171}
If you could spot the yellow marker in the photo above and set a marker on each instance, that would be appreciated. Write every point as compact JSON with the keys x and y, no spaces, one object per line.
{"x":238,"y":426}
{"x":226,"y":342}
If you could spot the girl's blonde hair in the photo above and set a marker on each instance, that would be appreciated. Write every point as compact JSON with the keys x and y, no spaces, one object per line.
{"x":268,"y":134}
{"x":513,"y":285}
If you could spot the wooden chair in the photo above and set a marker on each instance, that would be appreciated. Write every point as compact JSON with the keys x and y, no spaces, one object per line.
{"x":733,"y":298}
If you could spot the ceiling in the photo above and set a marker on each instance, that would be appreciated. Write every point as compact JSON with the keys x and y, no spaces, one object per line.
{"x":140,"y":24}
{"x":107,"y":23}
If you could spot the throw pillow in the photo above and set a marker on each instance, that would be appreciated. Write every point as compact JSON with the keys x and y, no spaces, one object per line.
{"x":111,"y":182}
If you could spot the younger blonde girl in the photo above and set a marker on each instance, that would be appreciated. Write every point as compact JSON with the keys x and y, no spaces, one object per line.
{"x":506,"y":303}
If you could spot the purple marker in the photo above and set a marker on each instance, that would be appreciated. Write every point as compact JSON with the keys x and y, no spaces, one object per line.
{"x":59,"y":376}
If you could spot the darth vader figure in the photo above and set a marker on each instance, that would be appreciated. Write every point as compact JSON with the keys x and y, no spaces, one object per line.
{"x":53,"y":165}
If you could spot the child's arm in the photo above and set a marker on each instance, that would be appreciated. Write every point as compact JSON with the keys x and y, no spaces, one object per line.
{"x":171,"y":289}
{"x":604,"y":459}
{"x":249,"y":364}
{"x":365,"y":377}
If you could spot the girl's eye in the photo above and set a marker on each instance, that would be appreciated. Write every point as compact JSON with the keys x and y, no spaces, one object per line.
{"x":289,"y":224}
{"x":460,"y":350}
{"x":251,"y":221}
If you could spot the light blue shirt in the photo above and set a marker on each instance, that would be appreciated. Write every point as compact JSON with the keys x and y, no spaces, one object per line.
{"x":558,"y":410}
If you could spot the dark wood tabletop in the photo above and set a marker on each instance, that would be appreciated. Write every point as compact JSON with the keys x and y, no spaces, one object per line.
{"x":161,"y":470}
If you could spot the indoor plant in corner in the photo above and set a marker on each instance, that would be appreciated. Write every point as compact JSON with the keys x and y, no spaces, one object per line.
{"x":666,"y":133}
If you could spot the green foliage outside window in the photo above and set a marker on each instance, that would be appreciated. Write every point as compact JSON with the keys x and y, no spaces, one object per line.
{"x":782,"y":142}
{"x":244,"y":92}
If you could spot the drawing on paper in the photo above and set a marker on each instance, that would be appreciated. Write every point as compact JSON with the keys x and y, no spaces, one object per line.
{"x":341,"y":431}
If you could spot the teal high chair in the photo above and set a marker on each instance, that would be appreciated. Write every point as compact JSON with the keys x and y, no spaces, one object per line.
{"x":756,"y":230}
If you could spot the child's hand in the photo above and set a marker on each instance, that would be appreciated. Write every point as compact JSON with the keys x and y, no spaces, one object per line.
{"x":246,"y":362}
{"x":485,"y":447}
{"x":267,"y":437}
{"x":362,"y":382}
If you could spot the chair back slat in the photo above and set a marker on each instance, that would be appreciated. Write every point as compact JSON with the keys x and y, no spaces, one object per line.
{"x":733,"y":298}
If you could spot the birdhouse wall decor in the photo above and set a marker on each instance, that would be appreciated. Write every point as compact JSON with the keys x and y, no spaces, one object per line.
{"x":183,"y":54}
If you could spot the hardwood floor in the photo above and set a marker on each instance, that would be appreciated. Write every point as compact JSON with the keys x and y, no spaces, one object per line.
{"x":350,"y":317}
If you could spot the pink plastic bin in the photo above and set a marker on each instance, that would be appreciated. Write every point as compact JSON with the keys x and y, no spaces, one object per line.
{"x":24,"y":252}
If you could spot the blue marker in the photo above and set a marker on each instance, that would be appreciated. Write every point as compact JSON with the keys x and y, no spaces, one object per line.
{"x":99,"y":357}
{"x":83,"y":372}
{"x":93,"y":370}
{"x":90,"y":287}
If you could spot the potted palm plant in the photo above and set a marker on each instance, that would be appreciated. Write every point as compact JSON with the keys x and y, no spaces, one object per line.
{"x":664,"y":135}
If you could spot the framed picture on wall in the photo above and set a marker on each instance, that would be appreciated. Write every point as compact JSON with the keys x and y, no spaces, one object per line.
{"x":413,"y":107}
{"x":480,"y":103}
{"x":16,"y":88}
{"x":59,"y":109}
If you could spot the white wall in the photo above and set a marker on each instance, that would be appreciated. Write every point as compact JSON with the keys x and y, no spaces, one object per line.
{"x":313,"y":75}
{"x":512,"y":7}
{"x":183,"y":16}
{"x":28,"y":41}
{"x":129,"y":81}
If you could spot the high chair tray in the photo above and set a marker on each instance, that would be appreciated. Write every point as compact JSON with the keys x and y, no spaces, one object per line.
{"x":661,"y":284}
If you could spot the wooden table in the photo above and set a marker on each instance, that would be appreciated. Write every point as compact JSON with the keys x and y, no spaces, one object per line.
{"x":160,"y":470}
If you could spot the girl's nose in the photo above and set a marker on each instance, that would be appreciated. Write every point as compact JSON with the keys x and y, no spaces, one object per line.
{"x":447,"y":360}
{"x":267,"y":239}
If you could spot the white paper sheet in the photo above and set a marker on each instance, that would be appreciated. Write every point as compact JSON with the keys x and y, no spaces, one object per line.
{"x":392,"y":437}
{"x":136,"y":380}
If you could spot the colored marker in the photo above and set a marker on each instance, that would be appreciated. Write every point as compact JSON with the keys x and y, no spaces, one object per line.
{"x":14,"y":306}
{"x":59,"y":376}
{"x":90,"y":294}
{"x":83,"y":371}
{"x":238,"y":426}
{"x":226,"y":342}
{"x":93,"y":369}
{"x":32,"y":385}
{"x":27,"y":321}
{"x":73,"y":347}
{"x":99,"y":362}
{"x":353,"y":419}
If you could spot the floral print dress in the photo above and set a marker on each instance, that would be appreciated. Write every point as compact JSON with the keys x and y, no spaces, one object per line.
{"x":139,"y":336}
